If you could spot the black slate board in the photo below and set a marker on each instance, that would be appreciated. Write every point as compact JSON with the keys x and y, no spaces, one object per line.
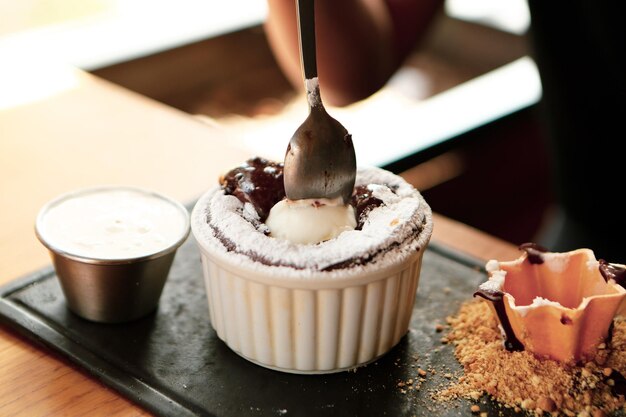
{"x":173,"y":364}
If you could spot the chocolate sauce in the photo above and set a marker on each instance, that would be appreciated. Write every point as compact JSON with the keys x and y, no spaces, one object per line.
{"x":363,"y":202}
{"x":534,"y":252}
{"x":258,"y":182}
{"x":612,"y":271}
{"x":511,"y":342}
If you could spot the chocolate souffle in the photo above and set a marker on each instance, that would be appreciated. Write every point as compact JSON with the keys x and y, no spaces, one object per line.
{"x":310,"y":308}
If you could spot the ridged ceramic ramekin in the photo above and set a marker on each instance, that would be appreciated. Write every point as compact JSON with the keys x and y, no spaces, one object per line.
{"x":311,"y":321}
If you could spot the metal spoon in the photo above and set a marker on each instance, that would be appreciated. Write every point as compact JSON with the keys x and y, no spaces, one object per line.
{"x":320,"y":160}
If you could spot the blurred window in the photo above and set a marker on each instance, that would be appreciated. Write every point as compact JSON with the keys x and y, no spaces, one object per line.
{"x":95,"y":33}
{"x":508,"y":15}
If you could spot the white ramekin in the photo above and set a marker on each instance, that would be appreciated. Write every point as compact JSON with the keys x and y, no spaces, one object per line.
{"x":321,"y":323}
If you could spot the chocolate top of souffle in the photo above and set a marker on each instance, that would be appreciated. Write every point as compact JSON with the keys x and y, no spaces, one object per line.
{"x":393,"y":221}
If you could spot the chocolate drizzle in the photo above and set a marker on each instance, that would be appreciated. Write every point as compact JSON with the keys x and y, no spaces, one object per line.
{"x":363,"y":201}
{"x":511,"y":342}
{"x":612,"y":271}
{"x":534,"y":252}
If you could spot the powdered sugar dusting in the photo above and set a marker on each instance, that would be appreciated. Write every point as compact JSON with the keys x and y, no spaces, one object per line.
{"x":544,"y":302}
{"x":403,"y":223}
{"x":492,"y":266}
{"x":250,"y":214}
{"x":495,"y":282}
{"x":537,"y":302}
{"x":383,"y":193}
{"x":556,"y":262}
{"x":592,"y":264}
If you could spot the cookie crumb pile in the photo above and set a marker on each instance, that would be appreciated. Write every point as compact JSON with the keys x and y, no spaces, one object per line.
{"x":520,"y":381}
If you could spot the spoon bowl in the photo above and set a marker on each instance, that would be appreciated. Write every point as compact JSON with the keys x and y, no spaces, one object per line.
{"x":320,"y":161}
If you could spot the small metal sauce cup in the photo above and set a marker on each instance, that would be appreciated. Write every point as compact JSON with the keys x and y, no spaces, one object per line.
{"x":112,"y":290}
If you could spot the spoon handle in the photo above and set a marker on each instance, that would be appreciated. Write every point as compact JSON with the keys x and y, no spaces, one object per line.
{"x":306,"y":30}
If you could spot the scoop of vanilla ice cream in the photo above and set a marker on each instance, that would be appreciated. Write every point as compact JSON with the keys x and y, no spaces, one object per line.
{"x":310,"y":220}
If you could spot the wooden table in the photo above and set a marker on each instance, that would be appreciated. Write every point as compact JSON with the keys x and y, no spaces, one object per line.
{"x":72,"y":130}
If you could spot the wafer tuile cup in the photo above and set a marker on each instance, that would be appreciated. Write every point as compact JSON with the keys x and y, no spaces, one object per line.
{"x":556,"y":305}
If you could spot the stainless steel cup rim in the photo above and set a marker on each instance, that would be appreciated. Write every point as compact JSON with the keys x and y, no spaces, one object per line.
{"x":104,"y":261}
